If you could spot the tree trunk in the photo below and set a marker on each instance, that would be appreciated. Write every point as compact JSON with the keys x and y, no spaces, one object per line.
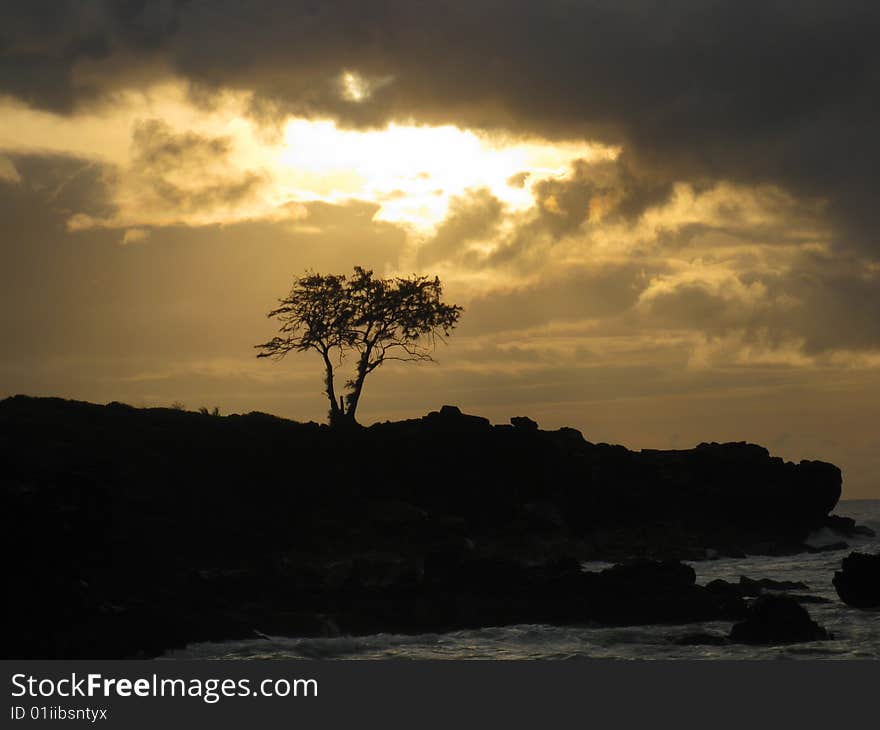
{"x":357,"y":387}
{"x":336,"y":411}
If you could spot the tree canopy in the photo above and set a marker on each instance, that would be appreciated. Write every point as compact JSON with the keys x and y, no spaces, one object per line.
{"x":372,"y":318}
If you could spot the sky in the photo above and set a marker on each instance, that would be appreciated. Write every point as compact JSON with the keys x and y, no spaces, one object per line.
{"x":661,"y":218}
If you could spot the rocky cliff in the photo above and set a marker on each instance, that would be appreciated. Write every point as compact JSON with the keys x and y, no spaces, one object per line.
{"x":170,"y":525}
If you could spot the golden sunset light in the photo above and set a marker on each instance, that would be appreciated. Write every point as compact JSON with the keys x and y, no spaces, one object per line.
{"x":410,"y":171}
{"x":669,"y":249}
{"x":529,"y":330}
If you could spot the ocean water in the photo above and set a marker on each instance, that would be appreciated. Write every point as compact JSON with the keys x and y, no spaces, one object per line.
{"x":856,"y":633}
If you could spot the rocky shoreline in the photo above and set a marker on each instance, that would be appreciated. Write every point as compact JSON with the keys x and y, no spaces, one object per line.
{"x":133,"y":531}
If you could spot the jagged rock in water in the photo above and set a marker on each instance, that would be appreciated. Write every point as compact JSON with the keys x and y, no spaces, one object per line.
{"x":858,"y":581}
{"x":750,"y":587}
{"x":754,"y":587}
{"x":829,"y":548}
{"x":847,"y":527}
{"x":700,"y":639}
{"x":774,"y":619}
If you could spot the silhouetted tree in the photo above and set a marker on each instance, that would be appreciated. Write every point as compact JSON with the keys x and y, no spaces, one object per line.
{"x":376,"y":319}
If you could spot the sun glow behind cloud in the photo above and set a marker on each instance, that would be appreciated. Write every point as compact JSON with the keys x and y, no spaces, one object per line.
{"x":701,"y":267}
{"x":410,"y":172}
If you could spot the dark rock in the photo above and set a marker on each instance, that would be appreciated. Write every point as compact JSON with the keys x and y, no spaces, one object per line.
{"x":650,"y":575}
{"x":384,"y":570}
{"x":723,"y":587}
{"x":776,"y":619}
{"x":858,"y":581}
{"x":778,"y":548}
{"x":648,"y":591}
{"x":847,"y":527}
{"x":543,"y":515}
{"x":193,"y":528}
{"x":450,"y":419}
{"x":753,"y":587}
{"x":749,"y":587}
{"x":829,"y":548}
{"x":732,"y":551}
{"x":394,"y":513}
{"x":700,"y":639}
{"x":801,"y":598}
{"x":524,"y":423}
{"x":478,"y":592}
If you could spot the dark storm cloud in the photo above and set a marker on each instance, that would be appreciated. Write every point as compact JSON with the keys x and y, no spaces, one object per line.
{"x":586,"y":293}
{"x":700,"y":307}
{"x":821,"y":303}
{"x":591,"y":194}
{"x":836,"y":303}
{"x":564,"y":205}
{"x":158,"y":148}
{"x":159,"y":153}
{"x":471,"y":217}
{"x":768,"y":91}
{"x":43,"y":41}
{"x":772,"y":92}
{"x":805,"y":308}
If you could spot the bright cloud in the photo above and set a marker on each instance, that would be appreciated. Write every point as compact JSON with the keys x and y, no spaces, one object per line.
{"x":172,"y":162}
